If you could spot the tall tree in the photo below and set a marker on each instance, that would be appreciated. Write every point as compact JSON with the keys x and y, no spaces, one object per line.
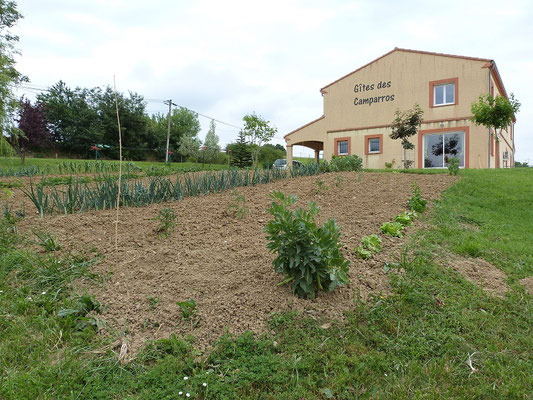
{"x":9,"y":75}
{"x":494,"y":113}
{"x":257,"y":131}
{"x":405,"y":125}
{"x":190,"y":147}
{"x":73,"y":117}
{"x":241,"y":154}
{"x":212,"y":148}
{"x":132,"y":120}
{"x":32,"y":122}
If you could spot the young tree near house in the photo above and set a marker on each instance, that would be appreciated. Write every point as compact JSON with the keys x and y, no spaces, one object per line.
{"x":241,"y":155}
{"x":212,"y":148}
{"x":404,"y":126}
{"x":494,"y":112}
{"x":258,"y":132}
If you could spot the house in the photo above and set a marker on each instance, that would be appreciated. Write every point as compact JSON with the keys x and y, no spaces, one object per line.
{"x":359,"y":109}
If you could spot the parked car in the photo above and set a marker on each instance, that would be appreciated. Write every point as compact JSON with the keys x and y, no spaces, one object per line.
{"x":281,"y":163}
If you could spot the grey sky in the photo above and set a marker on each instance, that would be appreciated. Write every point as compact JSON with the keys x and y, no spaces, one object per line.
{"x":227,"y":59}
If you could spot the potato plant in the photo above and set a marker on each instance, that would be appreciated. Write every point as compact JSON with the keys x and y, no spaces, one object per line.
{"x":308,"y":256}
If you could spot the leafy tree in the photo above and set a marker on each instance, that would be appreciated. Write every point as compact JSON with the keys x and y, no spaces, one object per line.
{"x":258,"y":132}
{"x":9,"y":75}
{"x":6,"y":150}
{"x":494,"y":112}
{"x":190,"y":147}
{"x":269,"y":153}
{"x":521,"y":164}
{"x":241,"y":154}
{"x":32,"y":122}
{"x":73,"y":117}
{"x":405,"y":125}
{"x":212,"y":148}
{"x":183,"y":122}
{"x":132,"y":120}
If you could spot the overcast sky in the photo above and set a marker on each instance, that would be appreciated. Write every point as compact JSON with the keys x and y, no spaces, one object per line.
{"x":228,"y":58}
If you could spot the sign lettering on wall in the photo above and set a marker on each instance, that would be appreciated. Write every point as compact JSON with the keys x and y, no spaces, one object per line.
{"x":362,"y":88}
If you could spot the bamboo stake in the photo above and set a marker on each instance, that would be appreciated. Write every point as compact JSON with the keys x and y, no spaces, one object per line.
{"x":119,"y":164}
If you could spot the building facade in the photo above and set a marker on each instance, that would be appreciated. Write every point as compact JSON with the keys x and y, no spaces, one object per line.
{"x":359,"y":109}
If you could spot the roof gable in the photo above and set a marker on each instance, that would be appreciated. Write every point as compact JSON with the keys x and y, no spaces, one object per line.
{"x":409,"y":51}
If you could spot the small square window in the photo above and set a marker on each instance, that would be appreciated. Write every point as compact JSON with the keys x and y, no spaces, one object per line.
{"x":444,"y":94}
{"x":374,"y":145}
{"x":342,"y":149}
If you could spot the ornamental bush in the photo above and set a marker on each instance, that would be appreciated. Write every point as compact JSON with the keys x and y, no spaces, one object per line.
{"x":307,"y":255}
{"x":342,"y":163}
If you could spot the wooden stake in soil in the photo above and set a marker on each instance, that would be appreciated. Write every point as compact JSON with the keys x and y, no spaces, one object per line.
{"x":119,"y":164}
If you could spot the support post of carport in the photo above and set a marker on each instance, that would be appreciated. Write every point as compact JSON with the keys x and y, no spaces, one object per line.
{"x":317,"y":156}
{"x":289,"y":156}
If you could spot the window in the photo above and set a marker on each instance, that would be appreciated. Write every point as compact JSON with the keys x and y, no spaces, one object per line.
{"x":342,"y":147}
{"x":443,"y":92}
{"x":374,"y":145}
{"x":441,"y":147}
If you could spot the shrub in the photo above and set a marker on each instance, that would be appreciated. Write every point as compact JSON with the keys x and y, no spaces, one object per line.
{"x":453,"y":166}
{"x":307,"y":255}
{"x":342,"y":163}
{"x":416,"y":202}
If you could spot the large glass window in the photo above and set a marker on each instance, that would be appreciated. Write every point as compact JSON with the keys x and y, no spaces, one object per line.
{"x":444,"y":94}
{"x":342,"y":149}
{"x":441,"y":147}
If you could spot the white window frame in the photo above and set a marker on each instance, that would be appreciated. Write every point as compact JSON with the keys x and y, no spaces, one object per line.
{"x":339,"y":147}
{"x":374,"y":151}
{"x":446,"y":87}
{"x":443,"y":134}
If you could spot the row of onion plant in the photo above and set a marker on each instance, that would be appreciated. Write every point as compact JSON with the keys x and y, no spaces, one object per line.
{"x":102,"y":194}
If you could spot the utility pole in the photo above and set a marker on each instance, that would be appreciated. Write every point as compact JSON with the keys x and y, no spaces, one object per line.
{"x":170,"y":104}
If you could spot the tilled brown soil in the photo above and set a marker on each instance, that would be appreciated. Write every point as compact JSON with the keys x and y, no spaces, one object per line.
{"x":222,"y":262}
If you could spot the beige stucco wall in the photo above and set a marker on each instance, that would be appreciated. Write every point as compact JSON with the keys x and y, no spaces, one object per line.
{"x":409,"y":75}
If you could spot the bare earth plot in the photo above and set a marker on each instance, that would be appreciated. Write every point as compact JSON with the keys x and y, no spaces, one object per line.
{"x":223,"y":263}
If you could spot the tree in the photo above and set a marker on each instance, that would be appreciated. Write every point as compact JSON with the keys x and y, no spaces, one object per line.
{"x":6,"y":150}
{"x":73,"y":117}
{"x":132,"y":120}
{"x":190,"y":147}
{"x":240,"y":152}
{"x":269,"y":153}
{"x":9,"y":75}
{"x":32,"y":122}
{"x":258,"y":132}
{"x":212,"y":148}
{"x":404,"y":126}
{"x":494,"y":112}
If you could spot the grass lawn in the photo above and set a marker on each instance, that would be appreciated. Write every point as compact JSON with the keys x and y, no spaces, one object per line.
{"x":437,"y":336}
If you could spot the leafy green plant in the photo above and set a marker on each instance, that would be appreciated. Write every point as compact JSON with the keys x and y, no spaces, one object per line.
{"x":363,"y":253}
{"x":307,"y":255}
{"x":416,"y":202}
{"x":167,"y":221}
{"x":320,"y":186}
{"x":372,"y":243}
{"x":369,"y":245}
{"x":392,"y":228}
{"x":152,"y":301}
{"x":342,"y":163}
{"x":47,"y":241}
{"x":406,"y":218}
{"x":188,"y":308}
{"x":238,"y":206}
{"x":78,"y":314}
{"x":453,"y":166}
